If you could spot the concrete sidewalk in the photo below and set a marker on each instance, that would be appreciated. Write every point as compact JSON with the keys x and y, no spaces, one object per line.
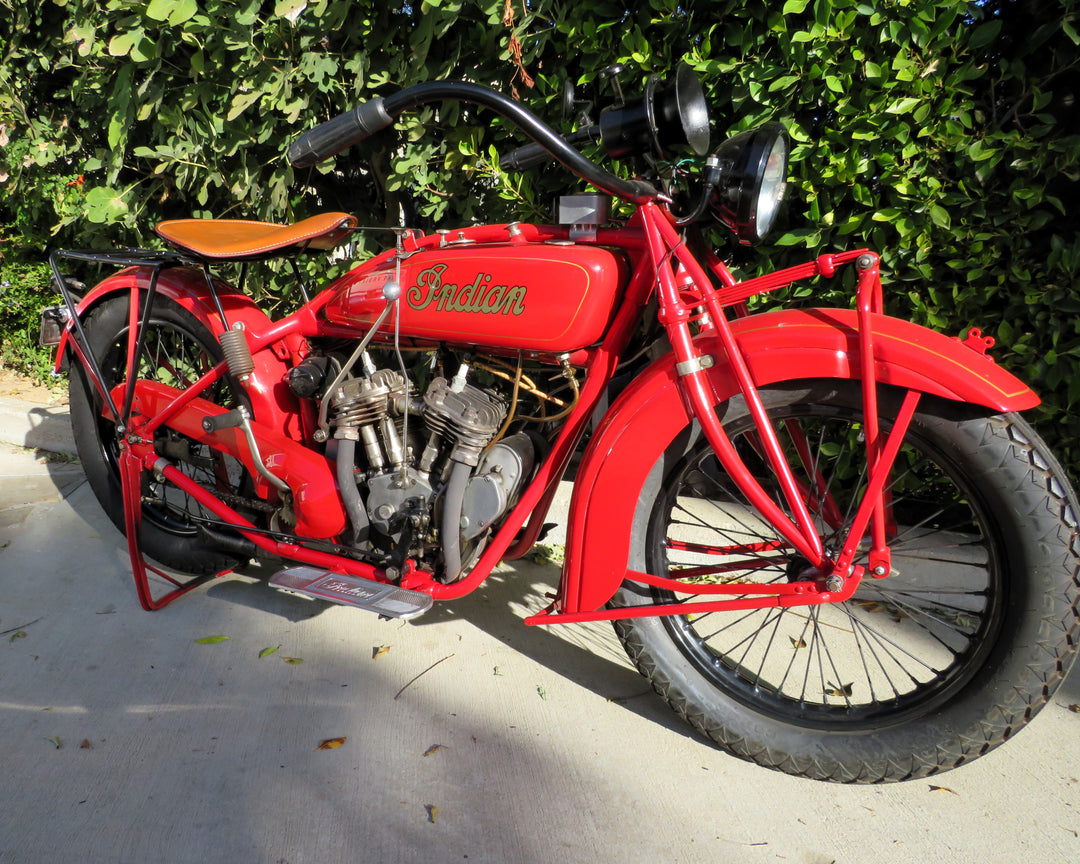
{"x":35,"y":426}
{"x":467,"y":736}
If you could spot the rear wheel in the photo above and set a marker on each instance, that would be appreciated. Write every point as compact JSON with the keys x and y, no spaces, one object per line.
{"x":920,"y":671}
{"x":178,"y":351}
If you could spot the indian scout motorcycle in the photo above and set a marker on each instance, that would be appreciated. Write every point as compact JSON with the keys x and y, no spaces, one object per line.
{"x":823,"y":535}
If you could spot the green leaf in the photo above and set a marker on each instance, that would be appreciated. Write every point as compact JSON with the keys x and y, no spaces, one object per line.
{"x":176,"y":12}
{"x":290,"y":9}
{"x":979,"y":152}
{"x":241,"y":102}
{"x":799,"y":237}
{"x":266,"y":652}
{"x":184,"y":11}
{"x":902,"y":106}
{"x":940,"y":216}
{"x":159,"y":10}
{"x":104,"y":205}
{"x":83,"y":36}
{"x":121,"y":44}
{"x":783,"y":82}
{"x":120,"y":118}
{"x":211,"y":640}
{"x":984,"y":34}
{"x":822,"y":13}
{"x":1070,"y":31}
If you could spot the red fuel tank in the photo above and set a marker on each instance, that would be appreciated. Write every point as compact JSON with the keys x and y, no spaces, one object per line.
{"x":544,"y":298}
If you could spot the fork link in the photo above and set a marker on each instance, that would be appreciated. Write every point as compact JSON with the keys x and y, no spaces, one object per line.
{"x":237,"y":353}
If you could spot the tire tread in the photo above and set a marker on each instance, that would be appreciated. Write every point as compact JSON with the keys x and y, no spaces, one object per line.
{"x":1044,"y":498}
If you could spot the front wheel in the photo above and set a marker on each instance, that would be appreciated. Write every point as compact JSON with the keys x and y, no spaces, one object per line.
{"x":918,"y":672}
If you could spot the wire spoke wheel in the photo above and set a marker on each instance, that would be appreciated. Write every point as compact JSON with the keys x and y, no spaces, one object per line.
{"x":174,"y":357}
{"x":899,"y":642}
{"x":982,"y":531}
{"x":177,"y":352}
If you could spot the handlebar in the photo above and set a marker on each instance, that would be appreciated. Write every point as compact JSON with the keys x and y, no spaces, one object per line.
{"x":369,"y":117}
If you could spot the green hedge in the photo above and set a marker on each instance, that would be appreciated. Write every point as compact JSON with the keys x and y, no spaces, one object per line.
{"x":24,"y":293}
{"x":943,"y":134}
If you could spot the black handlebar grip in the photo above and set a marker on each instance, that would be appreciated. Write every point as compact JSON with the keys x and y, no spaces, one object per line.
{"x":343,"y":131}
{"x":534,"y":154}
{"x":524,"y":157}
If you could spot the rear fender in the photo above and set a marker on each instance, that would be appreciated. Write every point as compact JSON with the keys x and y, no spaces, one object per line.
{"x":623,"y":461}
{"x":272,"y":403}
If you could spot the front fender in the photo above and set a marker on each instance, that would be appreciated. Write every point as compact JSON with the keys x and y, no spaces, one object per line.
{"x":784,"y":345}
{"x":272,"y":403}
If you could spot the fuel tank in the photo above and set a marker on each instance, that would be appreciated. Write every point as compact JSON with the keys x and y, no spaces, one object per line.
{"x":535,"y":297}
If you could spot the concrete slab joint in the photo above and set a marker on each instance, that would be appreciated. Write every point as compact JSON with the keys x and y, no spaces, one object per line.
{"x":36,"y":426}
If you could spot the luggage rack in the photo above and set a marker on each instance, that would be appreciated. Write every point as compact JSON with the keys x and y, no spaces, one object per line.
{"x":155,"y":259}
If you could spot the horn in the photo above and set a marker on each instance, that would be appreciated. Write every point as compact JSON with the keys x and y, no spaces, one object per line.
{"x":676,"y":116}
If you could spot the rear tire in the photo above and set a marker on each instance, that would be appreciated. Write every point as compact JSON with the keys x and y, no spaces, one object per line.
{"x":920,"y":671}
{"x":179,"y":350}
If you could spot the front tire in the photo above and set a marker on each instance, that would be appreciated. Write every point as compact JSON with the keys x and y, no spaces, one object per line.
{"x":918,"y":672}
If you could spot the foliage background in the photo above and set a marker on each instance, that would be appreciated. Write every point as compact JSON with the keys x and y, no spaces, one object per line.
{"x":944,"y":134}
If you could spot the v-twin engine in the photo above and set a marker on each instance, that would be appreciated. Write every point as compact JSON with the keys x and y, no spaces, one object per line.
{"x":420,"y":477}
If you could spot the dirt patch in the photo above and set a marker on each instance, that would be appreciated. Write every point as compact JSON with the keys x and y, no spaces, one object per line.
{"x":16,"y":386}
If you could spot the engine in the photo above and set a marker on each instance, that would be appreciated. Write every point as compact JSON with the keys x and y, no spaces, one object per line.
{"x":418,"y":475}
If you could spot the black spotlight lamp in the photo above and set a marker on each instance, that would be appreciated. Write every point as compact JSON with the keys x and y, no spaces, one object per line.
{"x":676,"y":116}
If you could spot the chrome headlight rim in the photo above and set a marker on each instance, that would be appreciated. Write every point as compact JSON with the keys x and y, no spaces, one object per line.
{"x":752,"y":168}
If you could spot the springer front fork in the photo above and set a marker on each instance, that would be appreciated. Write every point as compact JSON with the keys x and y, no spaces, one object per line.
{"x":686,"y":294}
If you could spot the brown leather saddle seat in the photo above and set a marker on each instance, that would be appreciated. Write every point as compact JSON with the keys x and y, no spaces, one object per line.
{"x":245,"y":240}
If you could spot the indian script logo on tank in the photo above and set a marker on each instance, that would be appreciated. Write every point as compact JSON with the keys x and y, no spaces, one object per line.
{"x":477,"y":296}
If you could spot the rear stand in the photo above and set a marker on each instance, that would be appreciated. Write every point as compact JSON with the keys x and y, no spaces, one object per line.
{"x":131,"y":465}
{"x":131,"y":468}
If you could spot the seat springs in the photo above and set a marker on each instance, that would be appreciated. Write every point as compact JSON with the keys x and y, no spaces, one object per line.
{"x":237,"y":352}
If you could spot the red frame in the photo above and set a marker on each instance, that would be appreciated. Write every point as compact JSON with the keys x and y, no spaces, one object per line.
{"x":712,"y":358}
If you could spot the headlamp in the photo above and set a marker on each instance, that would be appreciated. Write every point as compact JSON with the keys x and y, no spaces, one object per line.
{"x":752,"y":169}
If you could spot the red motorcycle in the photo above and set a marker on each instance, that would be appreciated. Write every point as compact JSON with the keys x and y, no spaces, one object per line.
{"x":823,"y":535}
